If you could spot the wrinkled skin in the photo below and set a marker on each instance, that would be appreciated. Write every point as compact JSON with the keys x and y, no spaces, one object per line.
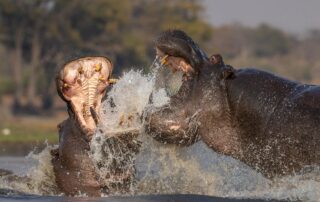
{"x":81,"y":84}
{"x":270,"y":123}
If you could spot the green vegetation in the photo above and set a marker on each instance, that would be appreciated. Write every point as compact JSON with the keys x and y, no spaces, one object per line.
{"x":38,"y":36}
{"x":29,"y":130}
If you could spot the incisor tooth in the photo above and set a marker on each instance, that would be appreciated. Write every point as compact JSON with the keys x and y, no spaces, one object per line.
{"x":112,"y":81}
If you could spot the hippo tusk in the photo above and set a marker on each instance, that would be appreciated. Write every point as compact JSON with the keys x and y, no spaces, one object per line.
{"x":164,"y":60}
{"x":112,"y":81}
{"x":94,"y":116}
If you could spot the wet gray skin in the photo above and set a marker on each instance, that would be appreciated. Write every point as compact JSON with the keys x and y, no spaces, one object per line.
{"x":270,"y":123}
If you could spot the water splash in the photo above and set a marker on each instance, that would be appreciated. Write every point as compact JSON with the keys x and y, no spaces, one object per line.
{"x":39,"y":179}
{"x":115,"y":145}
{"x":196,"y":169}
{"x":126,"y":102}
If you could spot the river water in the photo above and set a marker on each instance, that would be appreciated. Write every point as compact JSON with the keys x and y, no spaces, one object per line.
{"x":160,"y":169}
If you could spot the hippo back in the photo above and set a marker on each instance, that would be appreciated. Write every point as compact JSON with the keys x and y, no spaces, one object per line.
{"x":277,"y":119}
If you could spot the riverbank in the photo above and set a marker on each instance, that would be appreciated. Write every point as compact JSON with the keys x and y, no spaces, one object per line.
{"x":20,"y":135}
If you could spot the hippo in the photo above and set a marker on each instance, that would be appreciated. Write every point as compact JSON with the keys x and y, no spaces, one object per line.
{"x":270,"y":123}
{"x":82,"y":84}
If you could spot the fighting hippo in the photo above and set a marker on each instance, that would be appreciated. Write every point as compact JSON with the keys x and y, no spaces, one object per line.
{"x":82,"y":84}
{"x":270,"y":123}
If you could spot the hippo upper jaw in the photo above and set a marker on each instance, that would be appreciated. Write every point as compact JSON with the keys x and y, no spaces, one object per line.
{"x":176,"y":49}
{"x":82,"y":84}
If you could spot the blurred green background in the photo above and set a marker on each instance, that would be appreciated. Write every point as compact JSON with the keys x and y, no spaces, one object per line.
{"x":38,"y":36}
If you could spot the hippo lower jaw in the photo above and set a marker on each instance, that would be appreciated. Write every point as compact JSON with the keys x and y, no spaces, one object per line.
{"x":82,"y":83}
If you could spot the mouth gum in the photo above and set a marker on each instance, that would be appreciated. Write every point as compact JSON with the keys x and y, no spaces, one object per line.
{"x":84,"y":88}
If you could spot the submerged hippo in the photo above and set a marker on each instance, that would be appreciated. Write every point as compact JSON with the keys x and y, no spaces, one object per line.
{"x":270,"y":123}
{"x":82,"y":84}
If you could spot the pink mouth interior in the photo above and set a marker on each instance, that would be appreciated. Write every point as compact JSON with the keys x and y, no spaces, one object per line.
{"x":83,"y":83}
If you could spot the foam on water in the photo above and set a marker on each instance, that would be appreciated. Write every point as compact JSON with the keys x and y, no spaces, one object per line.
{"x":169,"y":169}
{"x":39,"y":179}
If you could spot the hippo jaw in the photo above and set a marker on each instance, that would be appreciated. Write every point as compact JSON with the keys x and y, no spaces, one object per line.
{"x":175,"y":63}
{"x":178,"y":51}
{"x":82,"y":84}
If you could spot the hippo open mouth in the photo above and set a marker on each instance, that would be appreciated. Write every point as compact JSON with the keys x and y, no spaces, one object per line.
{"x":176,"y":50}
{"x":180,"y":57}
{"x":82,"y":84}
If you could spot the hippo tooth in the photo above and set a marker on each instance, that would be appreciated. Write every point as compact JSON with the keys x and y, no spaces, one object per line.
{"x":112,"y":81}
{"x":164,"y":60}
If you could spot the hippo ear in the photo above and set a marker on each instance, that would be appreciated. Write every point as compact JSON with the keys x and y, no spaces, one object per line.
{"x":228,"y":70}
{"x":216,"y":59}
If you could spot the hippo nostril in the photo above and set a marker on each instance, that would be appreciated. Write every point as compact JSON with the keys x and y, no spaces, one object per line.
{"x":80,"y":70}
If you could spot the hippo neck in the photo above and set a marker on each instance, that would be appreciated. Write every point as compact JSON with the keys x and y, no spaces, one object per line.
{"x":213,"y":89}
{"x":254,"y":97}
{"x":217,"y":130}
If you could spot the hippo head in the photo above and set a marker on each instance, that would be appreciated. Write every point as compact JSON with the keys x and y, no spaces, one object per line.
{"x":201,"y":97}
{"x":179,"y":53}
{"x":82,"y":84}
